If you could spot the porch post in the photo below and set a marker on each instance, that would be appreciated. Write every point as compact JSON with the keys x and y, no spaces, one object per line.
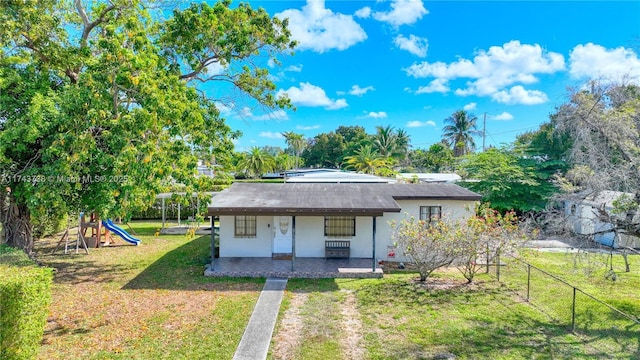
{"x":163,"y":213}
{"x":213,"y":241}
{"x":373,"y":252}
{"x":293,"y":243}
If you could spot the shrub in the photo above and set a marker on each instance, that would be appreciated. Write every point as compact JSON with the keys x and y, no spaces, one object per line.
{"x":25,"y":295}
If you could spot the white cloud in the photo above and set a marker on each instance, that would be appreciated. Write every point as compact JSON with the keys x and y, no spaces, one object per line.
{"x":358,"y":91}
{"x":311,"y":95}
{"x":307,"y":127}
{"x":376,"y":114}
{"x":364,"y":13}
{"x":319,"y":29}
{"x":215,"y":69}
{"x":402,"y":12}
{"x":470,"y":106}
{"x":294,"y":68}
{"x":520,"y":95}
{"x":416,"y":45}
{"x":416,"y":123}
{"x":245,"y":112}
{"x":504,"y":116}
{"x":274,"y":115}
{"x":491,"y":72}
{"x":595,"y":61}
{"x":225,"y":109}
{"x":437,"y":85}
{"x":271,"y":135}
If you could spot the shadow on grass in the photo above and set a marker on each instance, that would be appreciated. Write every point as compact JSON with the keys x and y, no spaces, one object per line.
{"x":182,"y":269}
{"x":81,"y":271}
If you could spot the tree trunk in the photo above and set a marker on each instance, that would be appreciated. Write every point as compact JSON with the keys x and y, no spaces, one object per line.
{"x":627,"y":267}
{"x":16,"y":224}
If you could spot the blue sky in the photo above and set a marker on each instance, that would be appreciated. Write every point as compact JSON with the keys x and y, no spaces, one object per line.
{"x":411,"y":63}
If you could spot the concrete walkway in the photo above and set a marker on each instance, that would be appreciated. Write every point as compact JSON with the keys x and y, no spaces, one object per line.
{"x":256,"y":339}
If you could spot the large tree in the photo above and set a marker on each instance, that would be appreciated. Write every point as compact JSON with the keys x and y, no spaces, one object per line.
{"x":325,"y":150}
{"x":459,"y":131}
{"x":603,"y":122}
{"x":506,"y":181}
{"x":101,"y":104}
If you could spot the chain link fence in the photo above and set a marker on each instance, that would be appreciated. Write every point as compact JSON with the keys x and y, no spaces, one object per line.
{"x":608,"y":328}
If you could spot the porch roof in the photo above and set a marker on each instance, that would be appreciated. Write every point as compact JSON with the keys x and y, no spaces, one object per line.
{"x":328,"y":198}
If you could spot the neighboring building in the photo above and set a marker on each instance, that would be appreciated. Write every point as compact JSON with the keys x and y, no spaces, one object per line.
{"x":584,"y":218}
{"x":263,"y":220}
{"x":429,"y":177}
{"x":332,"y":176}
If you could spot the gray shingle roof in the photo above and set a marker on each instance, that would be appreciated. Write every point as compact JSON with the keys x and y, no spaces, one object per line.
{"x":328,"y":198}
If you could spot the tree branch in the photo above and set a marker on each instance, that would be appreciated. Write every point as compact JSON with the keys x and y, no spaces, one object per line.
{"x":89,"y":26}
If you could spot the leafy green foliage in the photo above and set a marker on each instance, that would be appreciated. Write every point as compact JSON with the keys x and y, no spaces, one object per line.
{"x":507,"y":181}
{"x":25,"y":295}
{"x":110,"y":113}
{"x":438,"y":158}
{"x":325,"y":150}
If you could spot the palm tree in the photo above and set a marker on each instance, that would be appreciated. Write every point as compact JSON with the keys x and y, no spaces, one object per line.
{"x":366,"y":160}
{"x":284,"y":161}
{"x":257,"y":161}
{"x":459,"y":132}
{"x":296,"y":142}
{"x":403,"y":143}
{"x":384,"y":141}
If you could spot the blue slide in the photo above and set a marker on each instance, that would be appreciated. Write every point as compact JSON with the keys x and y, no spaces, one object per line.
{"x":120,"y":232}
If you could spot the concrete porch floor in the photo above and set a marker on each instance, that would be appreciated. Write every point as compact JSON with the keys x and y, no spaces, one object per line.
{"x":309,"y":268}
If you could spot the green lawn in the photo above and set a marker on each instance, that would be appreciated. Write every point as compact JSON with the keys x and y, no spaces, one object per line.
{"x":152,"y":302}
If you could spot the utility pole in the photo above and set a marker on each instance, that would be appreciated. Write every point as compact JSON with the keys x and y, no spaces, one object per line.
{"x":484,"y":130}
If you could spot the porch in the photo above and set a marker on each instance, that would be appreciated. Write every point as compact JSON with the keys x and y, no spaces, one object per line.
{"x":308,"y":268}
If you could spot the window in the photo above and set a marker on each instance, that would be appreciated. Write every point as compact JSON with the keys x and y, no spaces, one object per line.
{"x":340,"y":226}
{"x":430,"y":214}
{"x":245,"y":226}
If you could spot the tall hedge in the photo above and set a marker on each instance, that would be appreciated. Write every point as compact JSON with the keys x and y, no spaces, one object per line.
{"x":25,"y":295}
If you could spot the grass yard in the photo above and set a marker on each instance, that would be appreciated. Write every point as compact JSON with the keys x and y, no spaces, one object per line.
{"x":400,"y":318}
{"x":144,"y":302}
{"x":152,"y":302}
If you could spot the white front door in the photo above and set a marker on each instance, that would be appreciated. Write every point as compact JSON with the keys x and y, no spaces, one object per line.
{"x":282,"y":231}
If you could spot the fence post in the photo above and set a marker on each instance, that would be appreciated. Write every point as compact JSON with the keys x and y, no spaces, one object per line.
{"x":487,"y":258}
{"x":528,"y":281}
{"x":573,"y":312}
{"x":498,"y":264}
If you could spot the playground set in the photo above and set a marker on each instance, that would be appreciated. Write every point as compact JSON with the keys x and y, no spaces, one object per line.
{"x":94,"y":233}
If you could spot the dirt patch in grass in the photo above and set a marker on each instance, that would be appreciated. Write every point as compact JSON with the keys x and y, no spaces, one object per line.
{"x":352,"y":342}
{"x":288,"y":340}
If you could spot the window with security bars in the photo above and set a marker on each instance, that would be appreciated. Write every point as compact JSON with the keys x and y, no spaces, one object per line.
{"x":337,"y":226}
{"x":245,"y":226}
{"x":430,"y":214}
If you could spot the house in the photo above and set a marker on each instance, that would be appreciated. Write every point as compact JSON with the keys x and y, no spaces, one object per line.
{"x":306,"y":219}
{"x":584,"y":218}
